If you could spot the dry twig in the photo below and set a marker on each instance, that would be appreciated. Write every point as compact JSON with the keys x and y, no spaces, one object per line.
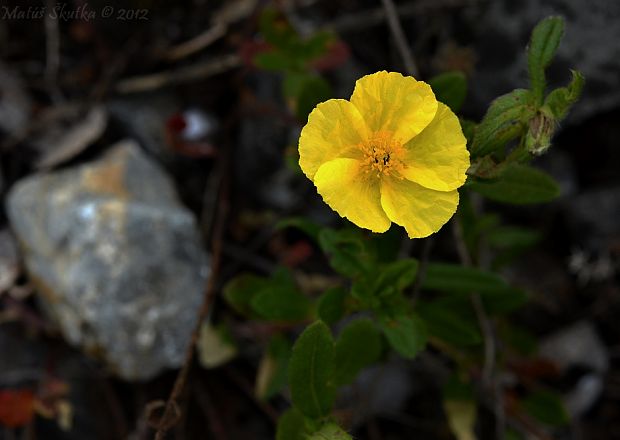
{"x":377,"y":16}
{"x":196,"y":44}
{"x":170,"y":413}
{"x":399,"y":37}
{"x":52,"y":52}
{"x":427,"y":244}
{"x":182,"y":75}
{"x":486,"y":327}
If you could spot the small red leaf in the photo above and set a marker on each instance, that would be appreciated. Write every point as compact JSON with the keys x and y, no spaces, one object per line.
{"x":16,"y":407}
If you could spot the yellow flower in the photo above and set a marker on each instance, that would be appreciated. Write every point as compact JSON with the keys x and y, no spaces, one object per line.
{"x":390,"y":154}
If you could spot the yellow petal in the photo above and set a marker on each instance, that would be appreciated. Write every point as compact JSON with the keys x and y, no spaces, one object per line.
{"x":395,"y":104}
{"x":335,"y":129}
{"x":437,"y":158}
{"x":352,"y":193}
{"x":420,"y":210}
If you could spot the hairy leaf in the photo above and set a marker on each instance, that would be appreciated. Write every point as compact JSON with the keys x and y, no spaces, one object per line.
{"x":519,"y":185}
{"x":310,"y":371}
{"x":331,"y":431}
{"x":450,"y":88}
{"x":358,"y":346}
{"x":560,"y":100}
{"x":543,"y":44}
{"x":505,"y":120}
{"x":406,"y":334}
{"x":291,"y":426}
{"x":331,"y":305}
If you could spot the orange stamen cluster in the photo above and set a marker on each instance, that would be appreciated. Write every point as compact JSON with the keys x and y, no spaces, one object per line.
{"x":382,"y":154}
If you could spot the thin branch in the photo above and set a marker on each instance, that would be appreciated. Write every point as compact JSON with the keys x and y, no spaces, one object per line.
{"x":399,"y":37}
{"x":489,"y":339}
{"x":486,"y":327}
{"x":485,"y":324}
{"x":194,"y":72}
{"x":213,"y":418}
{"x":427,"y":245}
{"x":52,"y":52}
{"x":461,"y":247}
{"x":170,"y":414}
{"x":376,"y":16}
{"x":264,"y":406}
{"x":197,"y":43}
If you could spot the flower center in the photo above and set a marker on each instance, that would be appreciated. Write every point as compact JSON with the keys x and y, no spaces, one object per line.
{"x":382,"y":154}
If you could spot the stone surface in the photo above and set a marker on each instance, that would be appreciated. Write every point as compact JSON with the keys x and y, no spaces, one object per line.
{"x":502,"y":31}
{"x":593,"y":217}
{"x":14,"y":102}
{"x":9,"y":261}
{"x":578,"y":344}
{"x":117,"y":260}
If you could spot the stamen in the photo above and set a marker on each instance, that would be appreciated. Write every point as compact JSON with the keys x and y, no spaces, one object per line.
{"x":382,"y":154}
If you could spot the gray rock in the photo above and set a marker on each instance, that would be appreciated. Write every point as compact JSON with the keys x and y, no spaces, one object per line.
{"x":504,"y":27}
{"x":578,"y":344}
{"x":117,"y":260}
{"x":144,"y":118}
{"x":14,"y":102}
{"x":593,"y":218}
{"x":9,"y":261}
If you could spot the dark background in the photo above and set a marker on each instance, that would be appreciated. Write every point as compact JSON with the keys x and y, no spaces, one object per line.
{"x":251,"y":124}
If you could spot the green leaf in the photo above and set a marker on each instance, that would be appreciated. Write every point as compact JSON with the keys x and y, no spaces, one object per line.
{"x":294,"y":83}
{"x":331,"y":305}
{"x":308,"y":227}
{"x":547,"y":408}
{"x":240,"y":291}
{"x":469,"y":130}
{"x":387,"y":245}
{"x":276,"y":30}
{"x":313,"y":91}
{"x":277,"y":303}
{"x":315,"y":47}
{"x":291,"y":426}
{"x":280,"y":300}
{"x":406,"y":334}
{"x":456,"y":389}
{"x":518,"y":338}
{"x":497,"y":296}
{"x":504,"y":302}
{"x":382,"y":282}
{"x":331,"y":431}
{"x":397,"y":275}
{"x":347,"y":251}
{"x":455,"y":325}
{"x":273,"y":368}
{"x":459,"y":282}
{"x":510,"y":242}
{"x":505,"y":120}
{"x":511,"y":434}
{"x":450,"y":88}
{"x":273,"y":60}
{"x":519,"y":185}
{"x":510,"y":237}
{"x":358,"y":346}
{"x":543,"y":44}
{"x":454,"y":278}
{"x":560,"y":100}
{"x":310,"y":370}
